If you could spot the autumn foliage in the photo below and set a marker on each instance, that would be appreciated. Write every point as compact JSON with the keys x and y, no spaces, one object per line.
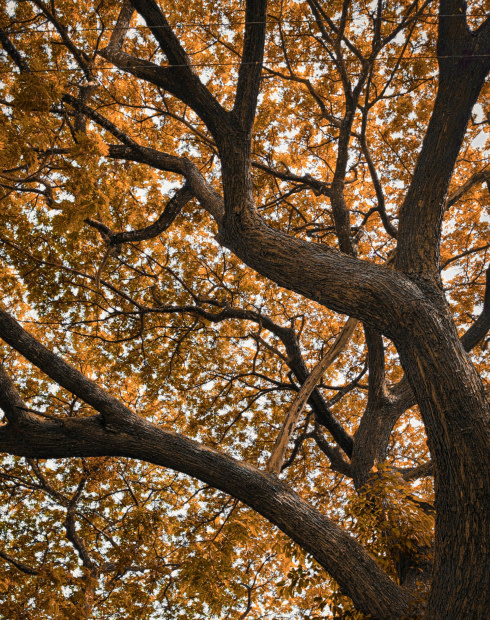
{"x":244,"y":305}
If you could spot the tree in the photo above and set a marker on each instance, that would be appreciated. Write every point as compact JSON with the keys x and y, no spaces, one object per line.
{"x":243,"y":254}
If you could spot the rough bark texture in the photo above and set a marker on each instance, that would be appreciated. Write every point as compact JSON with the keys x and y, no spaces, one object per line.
{"x":129,"y":435}
{"x":278,"y":452}
{"x":405,"y":304}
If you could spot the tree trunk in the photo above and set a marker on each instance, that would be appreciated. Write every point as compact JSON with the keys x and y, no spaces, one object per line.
{"x":455,"y":411}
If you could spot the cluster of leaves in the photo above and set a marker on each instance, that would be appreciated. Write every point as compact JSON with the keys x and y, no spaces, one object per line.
{"x":389,"y":520}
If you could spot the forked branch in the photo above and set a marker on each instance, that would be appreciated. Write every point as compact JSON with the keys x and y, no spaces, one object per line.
{"x":279,"y":451}
{"x":342,"y":556}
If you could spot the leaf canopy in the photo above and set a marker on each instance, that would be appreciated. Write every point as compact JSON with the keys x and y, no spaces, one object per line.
{"x":180,"y":330}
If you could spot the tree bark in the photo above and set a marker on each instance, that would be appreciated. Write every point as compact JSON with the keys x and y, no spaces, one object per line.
{"x":455,"y":411}
{"x":406,"y":305}
{"x":117,"y":431}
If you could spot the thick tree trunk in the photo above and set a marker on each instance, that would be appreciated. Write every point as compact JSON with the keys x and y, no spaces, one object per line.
{"x":447,"y":388}
{"x":455,"y":411}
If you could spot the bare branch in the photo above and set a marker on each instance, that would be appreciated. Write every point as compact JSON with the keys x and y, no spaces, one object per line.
{"x":113,"y":412}
{"x":250,"y":70}
{"x":24,"y":568}
{"x":13,"y":52}
{"x":279,"y":450}
{"x":121,"y":28}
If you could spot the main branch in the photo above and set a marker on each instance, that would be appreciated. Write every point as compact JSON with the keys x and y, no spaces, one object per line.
{"x":357,"y":573}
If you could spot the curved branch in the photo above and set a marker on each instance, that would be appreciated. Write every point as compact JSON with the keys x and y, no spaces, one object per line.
{"x":371,"y":293}
{"x":356,"y":572}
{"x":480,"y":328}
{"x":209,"y":199}
{"x":294,"y":359}
{"x":278,"y":452}
{"x":164,"y":77}
{"x":462,"y":72}
{"x":180,"y":76}
{"x":24,"y":568}
{"x":172,"y":209}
